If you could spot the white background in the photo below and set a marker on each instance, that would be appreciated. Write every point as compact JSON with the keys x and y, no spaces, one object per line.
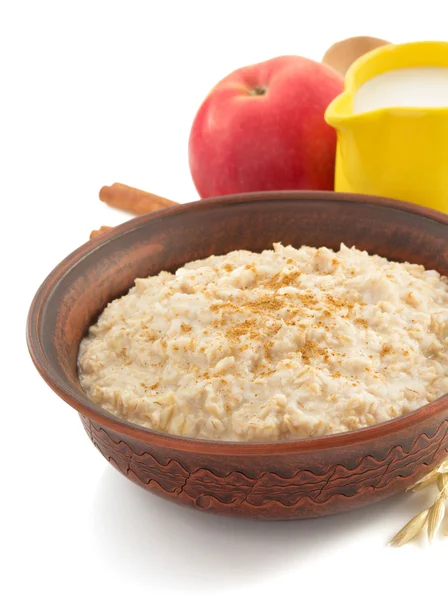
{"x":97,"y":92}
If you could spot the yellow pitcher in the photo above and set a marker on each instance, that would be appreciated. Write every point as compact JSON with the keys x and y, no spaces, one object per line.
{"x":400,"y":152}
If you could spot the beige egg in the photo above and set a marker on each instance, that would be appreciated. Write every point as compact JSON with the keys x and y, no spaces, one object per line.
{"x":342,"y":54}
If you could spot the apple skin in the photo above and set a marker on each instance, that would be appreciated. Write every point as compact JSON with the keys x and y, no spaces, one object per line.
{"x":262,"y":128}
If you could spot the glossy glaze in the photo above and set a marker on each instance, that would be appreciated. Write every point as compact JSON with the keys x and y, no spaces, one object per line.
{"x":398,"y":152}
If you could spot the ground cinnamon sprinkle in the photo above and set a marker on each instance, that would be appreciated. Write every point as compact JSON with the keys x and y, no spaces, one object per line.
{"x":216,"y":306}
{"x":266,"y":347}
{"x":149,"y":336}
{"x":339,"y":303}
{"x":309,"y":350}
{"x":265,"y":303}
{"x":282,"y":280}
{"x":308,"y":299}
{"x":362,"y":322}
{"x":386,"y":348}
{"x":150,"y":387}
{"x":240,"y":329}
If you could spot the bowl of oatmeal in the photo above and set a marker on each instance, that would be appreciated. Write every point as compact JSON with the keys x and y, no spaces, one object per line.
{"x":278,"y":355}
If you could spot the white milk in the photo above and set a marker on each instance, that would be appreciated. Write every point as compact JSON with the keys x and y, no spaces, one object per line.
{"x":416,"y":86}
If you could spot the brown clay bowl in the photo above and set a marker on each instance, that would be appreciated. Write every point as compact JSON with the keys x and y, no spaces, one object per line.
{"x":283,"y":480}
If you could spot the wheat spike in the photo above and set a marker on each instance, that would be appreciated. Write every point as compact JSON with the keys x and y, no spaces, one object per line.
{"x":443,"y":468}
{"x":435,"y":517}
{"x":410,"y":530}
{"x":424,"y":482}
{"x":442,"y":484}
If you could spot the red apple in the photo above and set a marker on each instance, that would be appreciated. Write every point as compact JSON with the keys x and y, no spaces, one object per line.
{"x":262,"y":128}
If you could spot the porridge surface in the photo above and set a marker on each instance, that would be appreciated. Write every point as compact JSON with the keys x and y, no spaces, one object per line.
{"x":283,"y":344}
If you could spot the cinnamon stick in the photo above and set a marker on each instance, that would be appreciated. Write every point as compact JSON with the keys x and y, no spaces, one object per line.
{"x":102,"y":229}
{"x":133,"y":200}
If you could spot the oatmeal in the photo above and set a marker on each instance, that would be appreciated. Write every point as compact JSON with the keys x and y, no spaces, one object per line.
{"x":279,"y":345}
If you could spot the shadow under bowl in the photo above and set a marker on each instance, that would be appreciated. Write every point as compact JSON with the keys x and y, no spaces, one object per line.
{"x":277,"y":480}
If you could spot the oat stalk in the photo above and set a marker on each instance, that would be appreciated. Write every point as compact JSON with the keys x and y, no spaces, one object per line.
{"x":411,"y":529}
{"x":431,"y":517}
{"x":443,"y":468}
{"x":442,"y":484}
{"x":435,"y":517}
{"x":424,"y":482}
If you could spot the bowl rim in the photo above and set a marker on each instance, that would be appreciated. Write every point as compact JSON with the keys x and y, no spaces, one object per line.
{"x":123,"y":427}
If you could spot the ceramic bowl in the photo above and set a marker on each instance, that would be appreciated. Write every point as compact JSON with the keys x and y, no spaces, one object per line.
{"x":281,"y":480}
